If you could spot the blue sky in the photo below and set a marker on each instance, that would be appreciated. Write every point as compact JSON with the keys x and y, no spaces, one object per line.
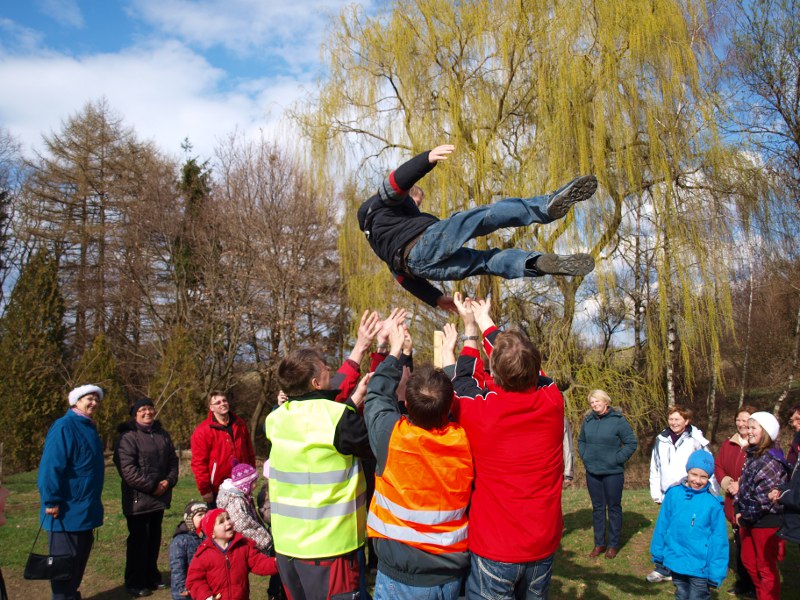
{"x":170,"y":68}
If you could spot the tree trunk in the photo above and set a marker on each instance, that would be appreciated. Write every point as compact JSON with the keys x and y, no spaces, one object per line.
{"x":711,"y":405}
{"x":746,"y":359}
{"x":779,"y":402}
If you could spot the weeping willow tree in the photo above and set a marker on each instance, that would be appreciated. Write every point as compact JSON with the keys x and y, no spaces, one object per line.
{"x":533,"y":94}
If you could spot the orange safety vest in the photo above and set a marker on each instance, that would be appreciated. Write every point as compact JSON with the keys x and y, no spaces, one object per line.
{"x":421,"y":498}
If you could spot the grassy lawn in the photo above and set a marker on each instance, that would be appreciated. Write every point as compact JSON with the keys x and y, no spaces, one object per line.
{"x":576,"y":575}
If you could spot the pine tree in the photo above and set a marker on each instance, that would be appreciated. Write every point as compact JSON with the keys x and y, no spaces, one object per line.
{"x":175,"y":388}
{"x":31,"y":360}
{"x":98,"y":366}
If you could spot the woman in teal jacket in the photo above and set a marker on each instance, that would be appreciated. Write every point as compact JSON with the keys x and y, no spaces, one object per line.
{"x":605,"y":443}
{"x":70,"y":483}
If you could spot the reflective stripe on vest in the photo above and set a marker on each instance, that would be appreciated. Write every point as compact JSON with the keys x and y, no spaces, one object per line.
{"x":315,"y":513}
{"x":326,"y":478}
{"x":422,"y":494}
{"x":407,"y":534}
{"x":423,"y":517}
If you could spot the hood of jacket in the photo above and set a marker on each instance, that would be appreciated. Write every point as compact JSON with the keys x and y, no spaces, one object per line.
{"x":690,"y":432}
{"x":613,"y":411}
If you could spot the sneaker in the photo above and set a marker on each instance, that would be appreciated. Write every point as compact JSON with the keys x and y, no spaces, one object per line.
{"x":564,"y":264}
{"x":656,"y":577}
{"x":577,"y":190}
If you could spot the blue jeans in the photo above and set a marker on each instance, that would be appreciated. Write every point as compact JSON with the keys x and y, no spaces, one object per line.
{"x":387,"y":588}
{"x":690,"y":588}
{"x":495,"y":580}
{"x":606,"y":494}
{"x":439,"y":253}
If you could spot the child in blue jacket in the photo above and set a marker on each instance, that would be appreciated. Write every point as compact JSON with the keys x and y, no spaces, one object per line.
{"x":691,"y":535}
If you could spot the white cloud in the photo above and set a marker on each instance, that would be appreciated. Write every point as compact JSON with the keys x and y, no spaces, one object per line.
{"x":291,"y":30}
{"x":17,"y":38}
{"x":165,"y":91}
{"x":65,"y":12}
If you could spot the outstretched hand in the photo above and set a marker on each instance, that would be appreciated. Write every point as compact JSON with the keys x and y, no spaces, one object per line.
{"x":481,"y":310}
{"x":449,"y":344}
{"x":360,"y":394}
{"x":440,"y":153}
{"x":388,"y":323}
{"x":465,"y":311}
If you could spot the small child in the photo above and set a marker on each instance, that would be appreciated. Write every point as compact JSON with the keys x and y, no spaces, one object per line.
{"x":184,"y":544}
{"x":220,"y":568}
{"x":691,"y":535}
{"x":235,"y":496}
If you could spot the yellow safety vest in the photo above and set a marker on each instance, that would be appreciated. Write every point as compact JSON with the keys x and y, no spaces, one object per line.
{"x":317,"y":495}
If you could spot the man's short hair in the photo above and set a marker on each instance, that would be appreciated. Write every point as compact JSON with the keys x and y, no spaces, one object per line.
{"x":214,"y":394}
{"x":515,"y":361}
{"x":429,"y":396}
{"x":297,"y":369}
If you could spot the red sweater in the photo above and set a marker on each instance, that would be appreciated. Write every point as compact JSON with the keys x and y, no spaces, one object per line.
{"x":517,"y":445}
{"x":728,"y":463}
{"x":213,"y":451}
{"x":213,"y":571}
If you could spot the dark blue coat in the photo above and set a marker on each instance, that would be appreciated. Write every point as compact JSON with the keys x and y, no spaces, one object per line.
{"x":71,"y":474}
{"x":606,"y":442}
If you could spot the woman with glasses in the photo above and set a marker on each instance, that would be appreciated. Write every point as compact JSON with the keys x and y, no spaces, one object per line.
{"x":148,"y":466}
{"x":728,"y":469}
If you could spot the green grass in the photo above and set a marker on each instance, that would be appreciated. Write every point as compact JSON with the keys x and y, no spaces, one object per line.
{"x":575,"y":576}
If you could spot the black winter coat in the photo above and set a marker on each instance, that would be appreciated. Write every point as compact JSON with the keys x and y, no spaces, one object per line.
{"x":790,"y":500}
{"x":143,"y":459}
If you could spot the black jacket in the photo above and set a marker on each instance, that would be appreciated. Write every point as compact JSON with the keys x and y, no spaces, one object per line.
{"x":143,"y":459}
{"x":790,"y":500}
{"x":390,"y":219}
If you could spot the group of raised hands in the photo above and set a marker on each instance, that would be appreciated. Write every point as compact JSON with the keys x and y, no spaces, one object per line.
{"x":393,"y":337}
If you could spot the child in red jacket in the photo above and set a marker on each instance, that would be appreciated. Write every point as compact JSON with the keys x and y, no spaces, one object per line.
{"x":220,"y":567}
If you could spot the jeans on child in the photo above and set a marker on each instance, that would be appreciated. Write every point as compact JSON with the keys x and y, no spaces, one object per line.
{"x":495,"y":580}
{"x":439,"y":253}
{"x":387,"y":588}
{"x":690,"y":588}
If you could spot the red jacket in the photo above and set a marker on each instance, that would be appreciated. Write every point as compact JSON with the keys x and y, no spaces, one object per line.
{"x":213,"y":451}
{"x":517,"y":441}
{"x":213,"y":571}
{"x":728,"y":463}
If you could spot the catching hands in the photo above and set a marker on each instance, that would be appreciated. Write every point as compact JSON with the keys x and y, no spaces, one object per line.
{"x":449,"y":344}
{"x":360,"y":394}
{"x":481,"y":310}
{"x":464,"y":306}
{"x":388,"y":323}
{"x":440,"y":153}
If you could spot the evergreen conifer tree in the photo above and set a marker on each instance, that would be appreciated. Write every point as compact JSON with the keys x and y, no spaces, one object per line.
{"x":31,"y":360}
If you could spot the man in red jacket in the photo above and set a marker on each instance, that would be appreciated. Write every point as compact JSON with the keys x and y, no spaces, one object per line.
{"x":515,"y":426}
{"x":216,"y":443}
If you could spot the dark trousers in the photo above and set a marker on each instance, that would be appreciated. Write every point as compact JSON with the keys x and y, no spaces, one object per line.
{"x":78,"y":544}
{"x":744,"y":583}
{"x":144,"y":542}
{"x":310,"y":579}
{"x":606,"y":494}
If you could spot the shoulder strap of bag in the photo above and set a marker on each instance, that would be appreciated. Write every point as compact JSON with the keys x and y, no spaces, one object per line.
{"x":41,"y":525}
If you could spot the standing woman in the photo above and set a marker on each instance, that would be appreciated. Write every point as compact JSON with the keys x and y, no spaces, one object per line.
{"x":759,"y":519}
{"x":70,"y":482}
{"x":148,"y":466}
{"x":728,"y":469}
{"x":605,"y":444}
{"x":673,"y":447}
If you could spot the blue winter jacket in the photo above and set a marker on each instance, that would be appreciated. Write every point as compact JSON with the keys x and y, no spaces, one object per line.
{"x":691,"y":535}
{"x":71,"y":474}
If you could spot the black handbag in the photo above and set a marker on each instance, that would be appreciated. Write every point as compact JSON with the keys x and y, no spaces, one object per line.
{"x":52,"y":567}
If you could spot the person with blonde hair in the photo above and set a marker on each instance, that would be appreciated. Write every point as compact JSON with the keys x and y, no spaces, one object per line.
{"x":605,"y":444}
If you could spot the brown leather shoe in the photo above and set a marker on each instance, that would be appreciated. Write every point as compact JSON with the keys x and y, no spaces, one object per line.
{"x":612,"y":552}
{"x":597,"y":551}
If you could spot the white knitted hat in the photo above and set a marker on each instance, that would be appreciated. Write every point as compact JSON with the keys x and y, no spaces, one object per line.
{"x":81,"y":391}
{"x":768,"y":423}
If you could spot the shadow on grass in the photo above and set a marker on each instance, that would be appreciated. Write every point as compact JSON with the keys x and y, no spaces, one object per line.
{"x":117,"y":593}
{"x":587,"y":577}
{"x":632,"y":523}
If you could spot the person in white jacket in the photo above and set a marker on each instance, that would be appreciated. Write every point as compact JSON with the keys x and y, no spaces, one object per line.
{"x":672,"y":449}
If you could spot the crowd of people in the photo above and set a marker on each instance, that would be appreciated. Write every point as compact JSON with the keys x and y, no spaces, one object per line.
{"x":447,"y":480}
{"x":452,"y":507}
